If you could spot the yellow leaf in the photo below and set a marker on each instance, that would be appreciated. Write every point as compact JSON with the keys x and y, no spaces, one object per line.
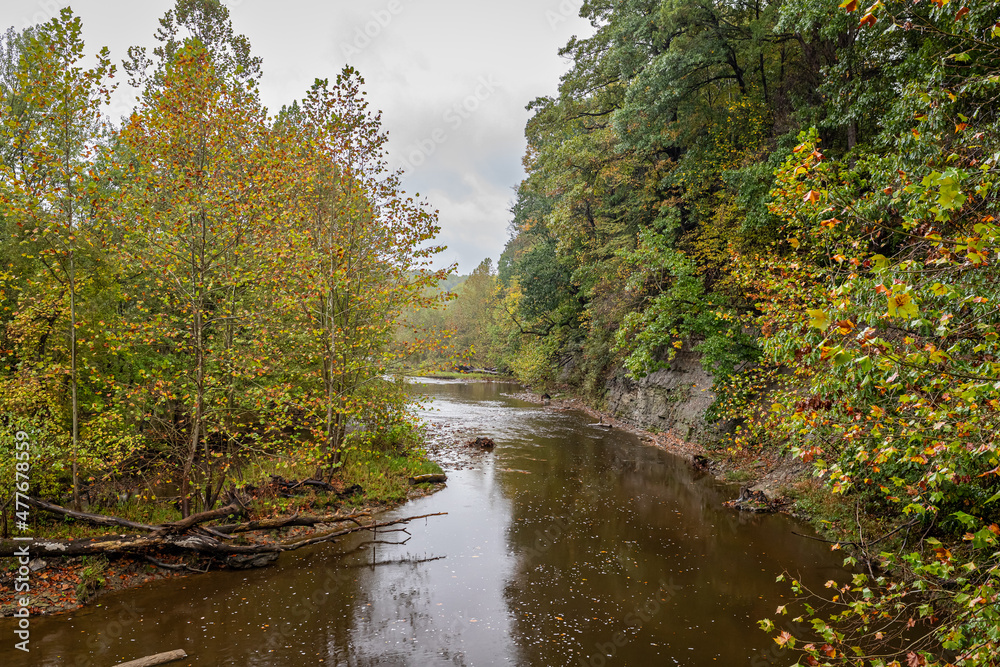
{"x":819,"y":319}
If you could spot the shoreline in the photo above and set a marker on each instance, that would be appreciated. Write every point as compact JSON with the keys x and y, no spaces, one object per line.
{"x":666,"y":440}
{"x":773,"y":477}
{"x":63,"y":585}
{"x":56,"y":587}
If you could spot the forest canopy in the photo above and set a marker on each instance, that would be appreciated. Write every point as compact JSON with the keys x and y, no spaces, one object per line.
{"x":199,"y":282}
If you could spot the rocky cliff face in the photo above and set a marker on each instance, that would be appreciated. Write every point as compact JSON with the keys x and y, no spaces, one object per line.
{"x":674,"y":400}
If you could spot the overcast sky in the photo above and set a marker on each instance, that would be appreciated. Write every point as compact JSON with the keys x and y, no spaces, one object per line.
{"x":451,"y":76}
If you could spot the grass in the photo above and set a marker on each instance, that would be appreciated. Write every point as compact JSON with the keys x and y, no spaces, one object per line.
{"x":383,"y":477}
{"x":739,"y":476}
{"x":92,"y":578}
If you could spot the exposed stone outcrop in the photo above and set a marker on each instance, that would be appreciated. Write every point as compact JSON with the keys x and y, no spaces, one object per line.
{"x":673,"y":400}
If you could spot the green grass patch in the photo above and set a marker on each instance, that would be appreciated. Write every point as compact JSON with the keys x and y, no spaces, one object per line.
{"x":739,"y":476}
{"x":385,"y":478}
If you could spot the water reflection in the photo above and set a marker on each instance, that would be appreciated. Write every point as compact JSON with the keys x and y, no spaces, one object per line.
{"x":568,"y":545}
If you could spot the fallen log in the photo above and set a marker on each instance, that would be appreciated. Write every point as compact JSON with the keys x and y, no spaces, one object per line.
{"x":287,"y":522}
{"x":153,"y":660}
{"x":346,"y":531}
{"x":95,"y":519}
{"x":429,"y":479}
{"x":197,"y":543}
{"x":236,"y":507}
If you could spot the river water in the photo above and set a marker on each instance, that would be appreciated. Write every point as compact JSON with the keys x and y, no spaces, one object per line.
{"x":568,"y":545}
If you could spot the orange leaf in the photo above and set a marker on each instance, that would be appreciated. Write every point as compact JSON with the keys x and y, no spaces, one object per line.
{"x":961,"y":12}
{"x":867,"y":20}
{"x":850,"y":5}
{"x":811,"y":196}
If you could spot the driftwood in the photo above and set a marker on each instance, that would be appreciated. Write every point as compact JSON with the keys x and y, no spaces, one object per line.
{"x":95,"y":519}
{"x":188,"y":535}
{"x":236,"y":507}
{"x":201,"y":543}
{"x":288,"y":522}
{"x":701,"y":462}
{"x":481,"y":442}
{"x":153,"y":660}
{"x":753,"y":500}
{"x":429,"y":479}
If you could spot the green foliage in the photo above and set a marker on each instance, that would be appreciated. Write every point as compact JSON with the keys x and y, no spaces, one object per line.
{"x":805,"y":194}
{"x":880,"y":296}
{"x":205,"y":280}
{"x":92,"y":578}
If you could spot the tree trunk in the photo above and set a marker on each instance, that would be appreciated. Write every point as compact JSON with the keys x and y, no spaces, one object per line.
{"x":196,"y":418}
{"x":73,"y":376}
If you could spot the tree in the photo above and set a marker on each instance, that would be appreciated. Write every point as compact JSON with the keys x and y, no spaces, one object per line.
{"x":192,"y":216}
{"x":881,"y":300}
{"x":208,"y":22}
{"x":51,"y":130}
{"x":364,"y":256}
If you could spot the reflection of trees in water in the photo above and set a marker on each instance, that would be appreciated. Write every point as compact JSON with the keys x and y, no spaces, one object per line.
{"x":633,"y":515}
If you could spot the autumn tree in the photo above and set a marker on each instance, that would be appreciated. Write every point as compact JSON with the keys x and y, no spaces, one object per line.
{"x":51,"y":126}
{"x":365,"y":257}
{"x":881,"y":297}
{"x":192,"y":218}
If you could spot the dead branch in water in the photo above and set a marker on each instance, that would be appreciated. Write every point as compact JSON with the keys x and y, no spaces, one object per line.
{"x":189,"y":536}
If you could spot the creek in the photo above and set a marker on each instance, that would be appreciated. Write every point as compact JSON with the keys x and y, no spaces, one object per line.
{"x":567,"y":545}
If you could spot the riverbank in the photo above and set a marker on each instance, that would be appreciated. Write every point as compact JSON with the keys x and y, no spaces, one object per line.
{"x":787,"y":482}
{"x":59,"y":585}
{"x":560,"y":532}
